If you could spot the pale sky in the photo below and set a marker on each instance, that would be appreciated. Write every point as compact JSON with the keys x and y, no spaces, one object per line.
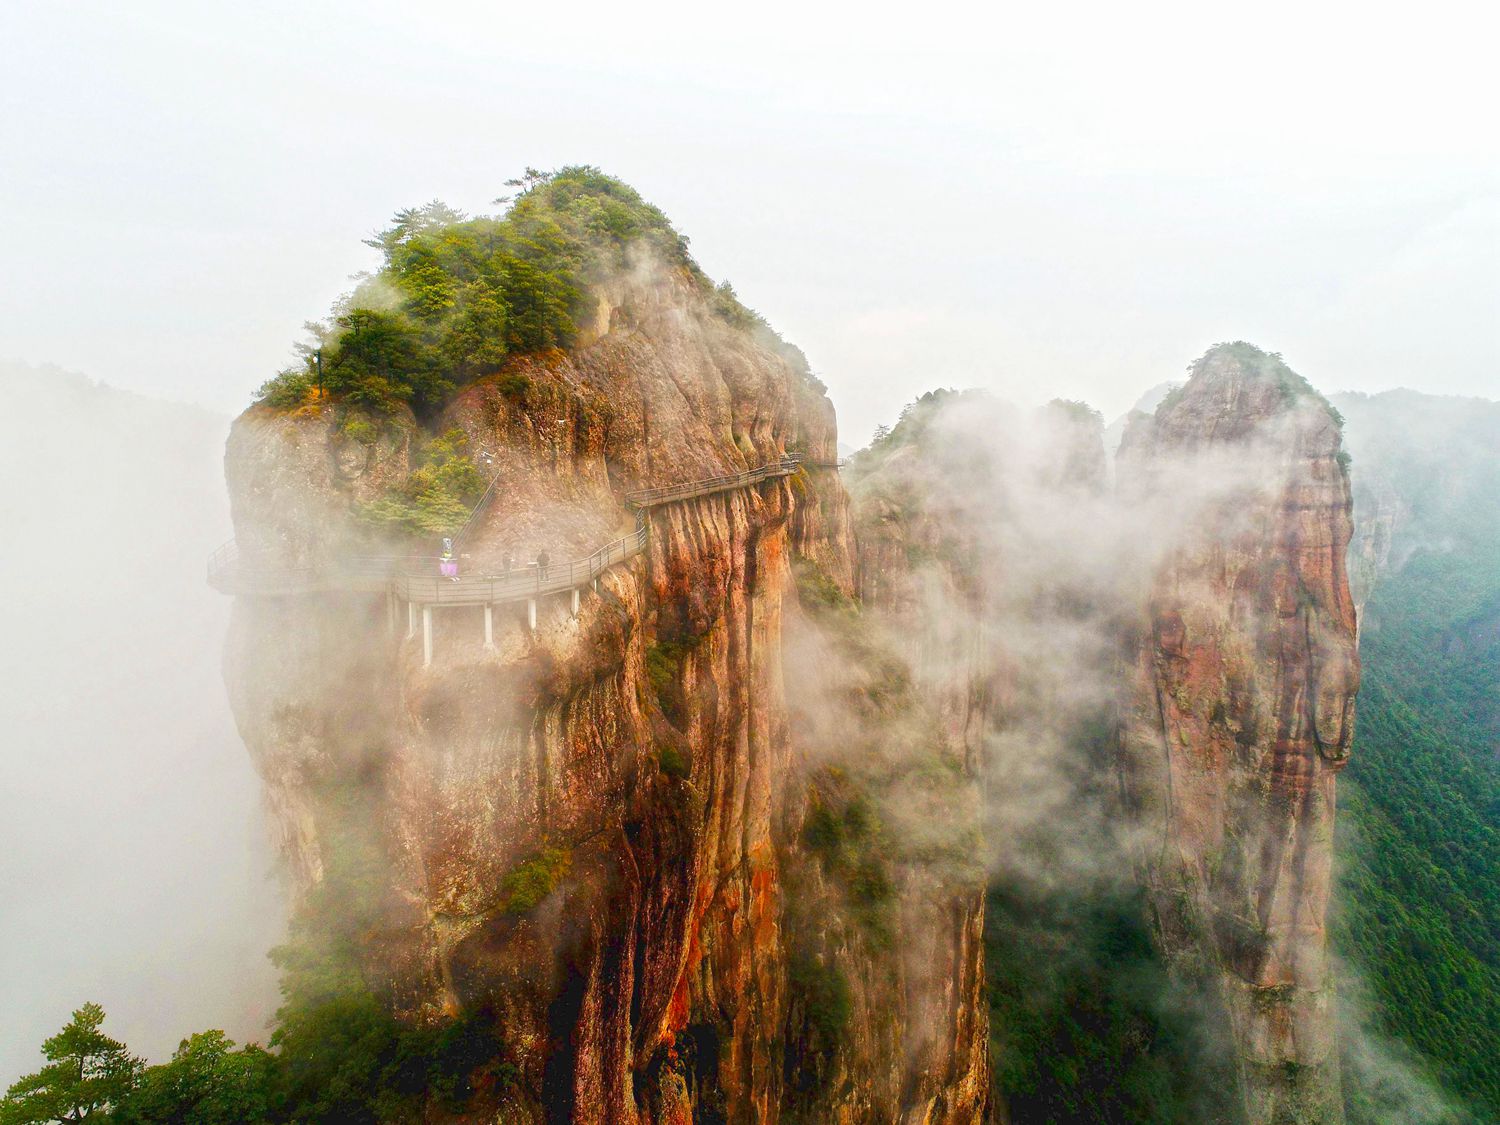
{"x":1046,"y":199}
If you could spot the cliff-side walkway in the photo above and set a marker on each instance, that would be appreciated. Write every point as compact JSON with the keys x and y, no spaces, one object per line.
{"x":411,"y":579}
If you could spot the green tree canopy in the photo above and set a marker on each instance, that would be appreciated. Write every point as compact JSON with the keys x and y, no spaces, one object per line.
{"x":86,"y":1074}
{"x":207,"y":1082}
{"x":456,"y":295}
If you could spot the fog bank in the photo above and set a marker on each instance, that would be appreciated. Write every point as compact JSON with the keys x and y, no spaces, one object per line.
{"x":134,"y":868}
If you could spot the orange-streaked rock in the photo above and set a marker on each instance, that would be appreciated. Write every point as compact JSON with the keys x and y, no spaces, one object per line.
{"x":1241,"y":715}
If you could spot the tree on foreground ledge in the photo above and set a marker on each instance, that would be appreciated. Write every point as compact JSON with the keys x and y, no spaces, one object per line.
{"x":87,"y":1072}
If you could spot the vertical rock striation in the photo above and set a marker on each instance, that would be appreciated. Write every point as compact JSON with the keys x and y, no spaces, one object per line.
{"x":587,"y":831}
{"x":1241,"y":713}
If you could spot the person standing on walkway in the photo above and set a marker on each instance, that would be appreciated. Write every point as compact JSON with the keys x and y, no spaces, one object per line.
{"x":541,"y":565}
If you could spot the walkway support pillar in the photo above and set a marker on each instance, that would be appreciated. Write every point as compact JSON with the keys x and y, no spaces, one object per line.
{"x":426,"y":636}
{"x":575,"y":601}
{"x":489,"y":625}
{"x":390,"y":612}
{"x":411,"y":620}
{"x":531,"y":614}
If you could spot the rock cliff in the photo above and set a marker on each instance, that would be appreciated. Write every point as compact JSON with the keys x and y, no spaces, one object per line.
{"x":610,"y":833}
{"x":1241,"y":713}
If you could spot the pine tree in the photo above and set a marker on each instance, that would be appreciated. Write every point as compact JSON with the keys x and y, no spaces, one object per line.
{"x":87,"y":1072}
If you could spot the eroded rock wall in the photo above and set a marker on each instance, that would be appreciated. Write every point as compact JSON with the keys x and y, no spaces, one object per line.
{"x":586,"y":830}
{"x":1241,"y":715}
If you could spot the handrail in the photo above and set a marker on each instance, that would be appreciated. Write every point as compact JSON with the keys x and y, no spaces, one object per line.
{"x":667,"y":494}
{"x":480,"y":507}
{"x":529,"y":582}
{"x":401,"y":573}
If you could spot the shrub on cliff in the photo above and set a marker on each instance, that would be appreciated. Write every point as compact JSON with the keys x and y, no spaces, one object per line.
{"x":819,"y":1004}
{"x":437,"y":497}
{"x":671,"y":762}
{"x":533,"y":879}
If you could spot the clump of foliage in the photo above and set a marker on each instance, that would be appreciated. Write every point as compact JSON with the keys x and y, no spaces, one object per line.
{"x":533,"y":879}
{"x":819,"y":1004}
{"x":844,"y":833}
{"x":672,"y":762}
{"x":916,"y":416}
{"x":817,"y":591}
{"x":288,"y":389}
{"x":437,"y":497}
{"x":208,"y":1081}
{"x":664,"y":661}
{"x":455,"y":296}
{"x":343,"y":1057}
{"x":1078,"y":411}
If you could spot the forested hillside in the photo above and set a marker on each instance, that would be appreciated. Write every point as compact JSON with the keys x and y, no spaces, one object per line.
{"x":1419,"y":897}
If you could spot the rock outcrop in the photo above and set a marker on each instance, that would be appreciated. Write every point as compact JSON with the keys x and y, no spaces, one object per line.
{"x":593,"y":831}
{"x":1242,"y":711}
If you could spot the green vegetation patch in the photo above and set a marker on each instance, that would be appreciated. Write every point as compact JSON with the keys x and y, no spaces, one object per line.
{"x":455,"y":296}
{"x":820,"y":593}
{"x":664,"y":668}
{"x":533,"y":879}
{"x":436,"y":497}
{"x":1086,"y":1021}
{"x":1268,"y":365}
{"x":819,"y":1006}
{"x":672,"y":762}
{"x":844,"y":832}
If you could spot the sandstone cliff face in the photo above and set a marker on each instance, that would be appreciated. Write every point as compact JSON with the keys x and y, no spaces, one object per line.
{"x":590,"y":830}
{"x":1241,"y":715}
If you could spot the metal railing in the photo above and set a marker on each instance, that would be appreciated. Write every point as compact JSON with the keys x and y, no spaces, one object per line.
{"x":480,"y":507}
{"x":667,"y":494}
{"x":414,"y":577}
{"x":228,"y":573}
{"x":530,"y":581}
